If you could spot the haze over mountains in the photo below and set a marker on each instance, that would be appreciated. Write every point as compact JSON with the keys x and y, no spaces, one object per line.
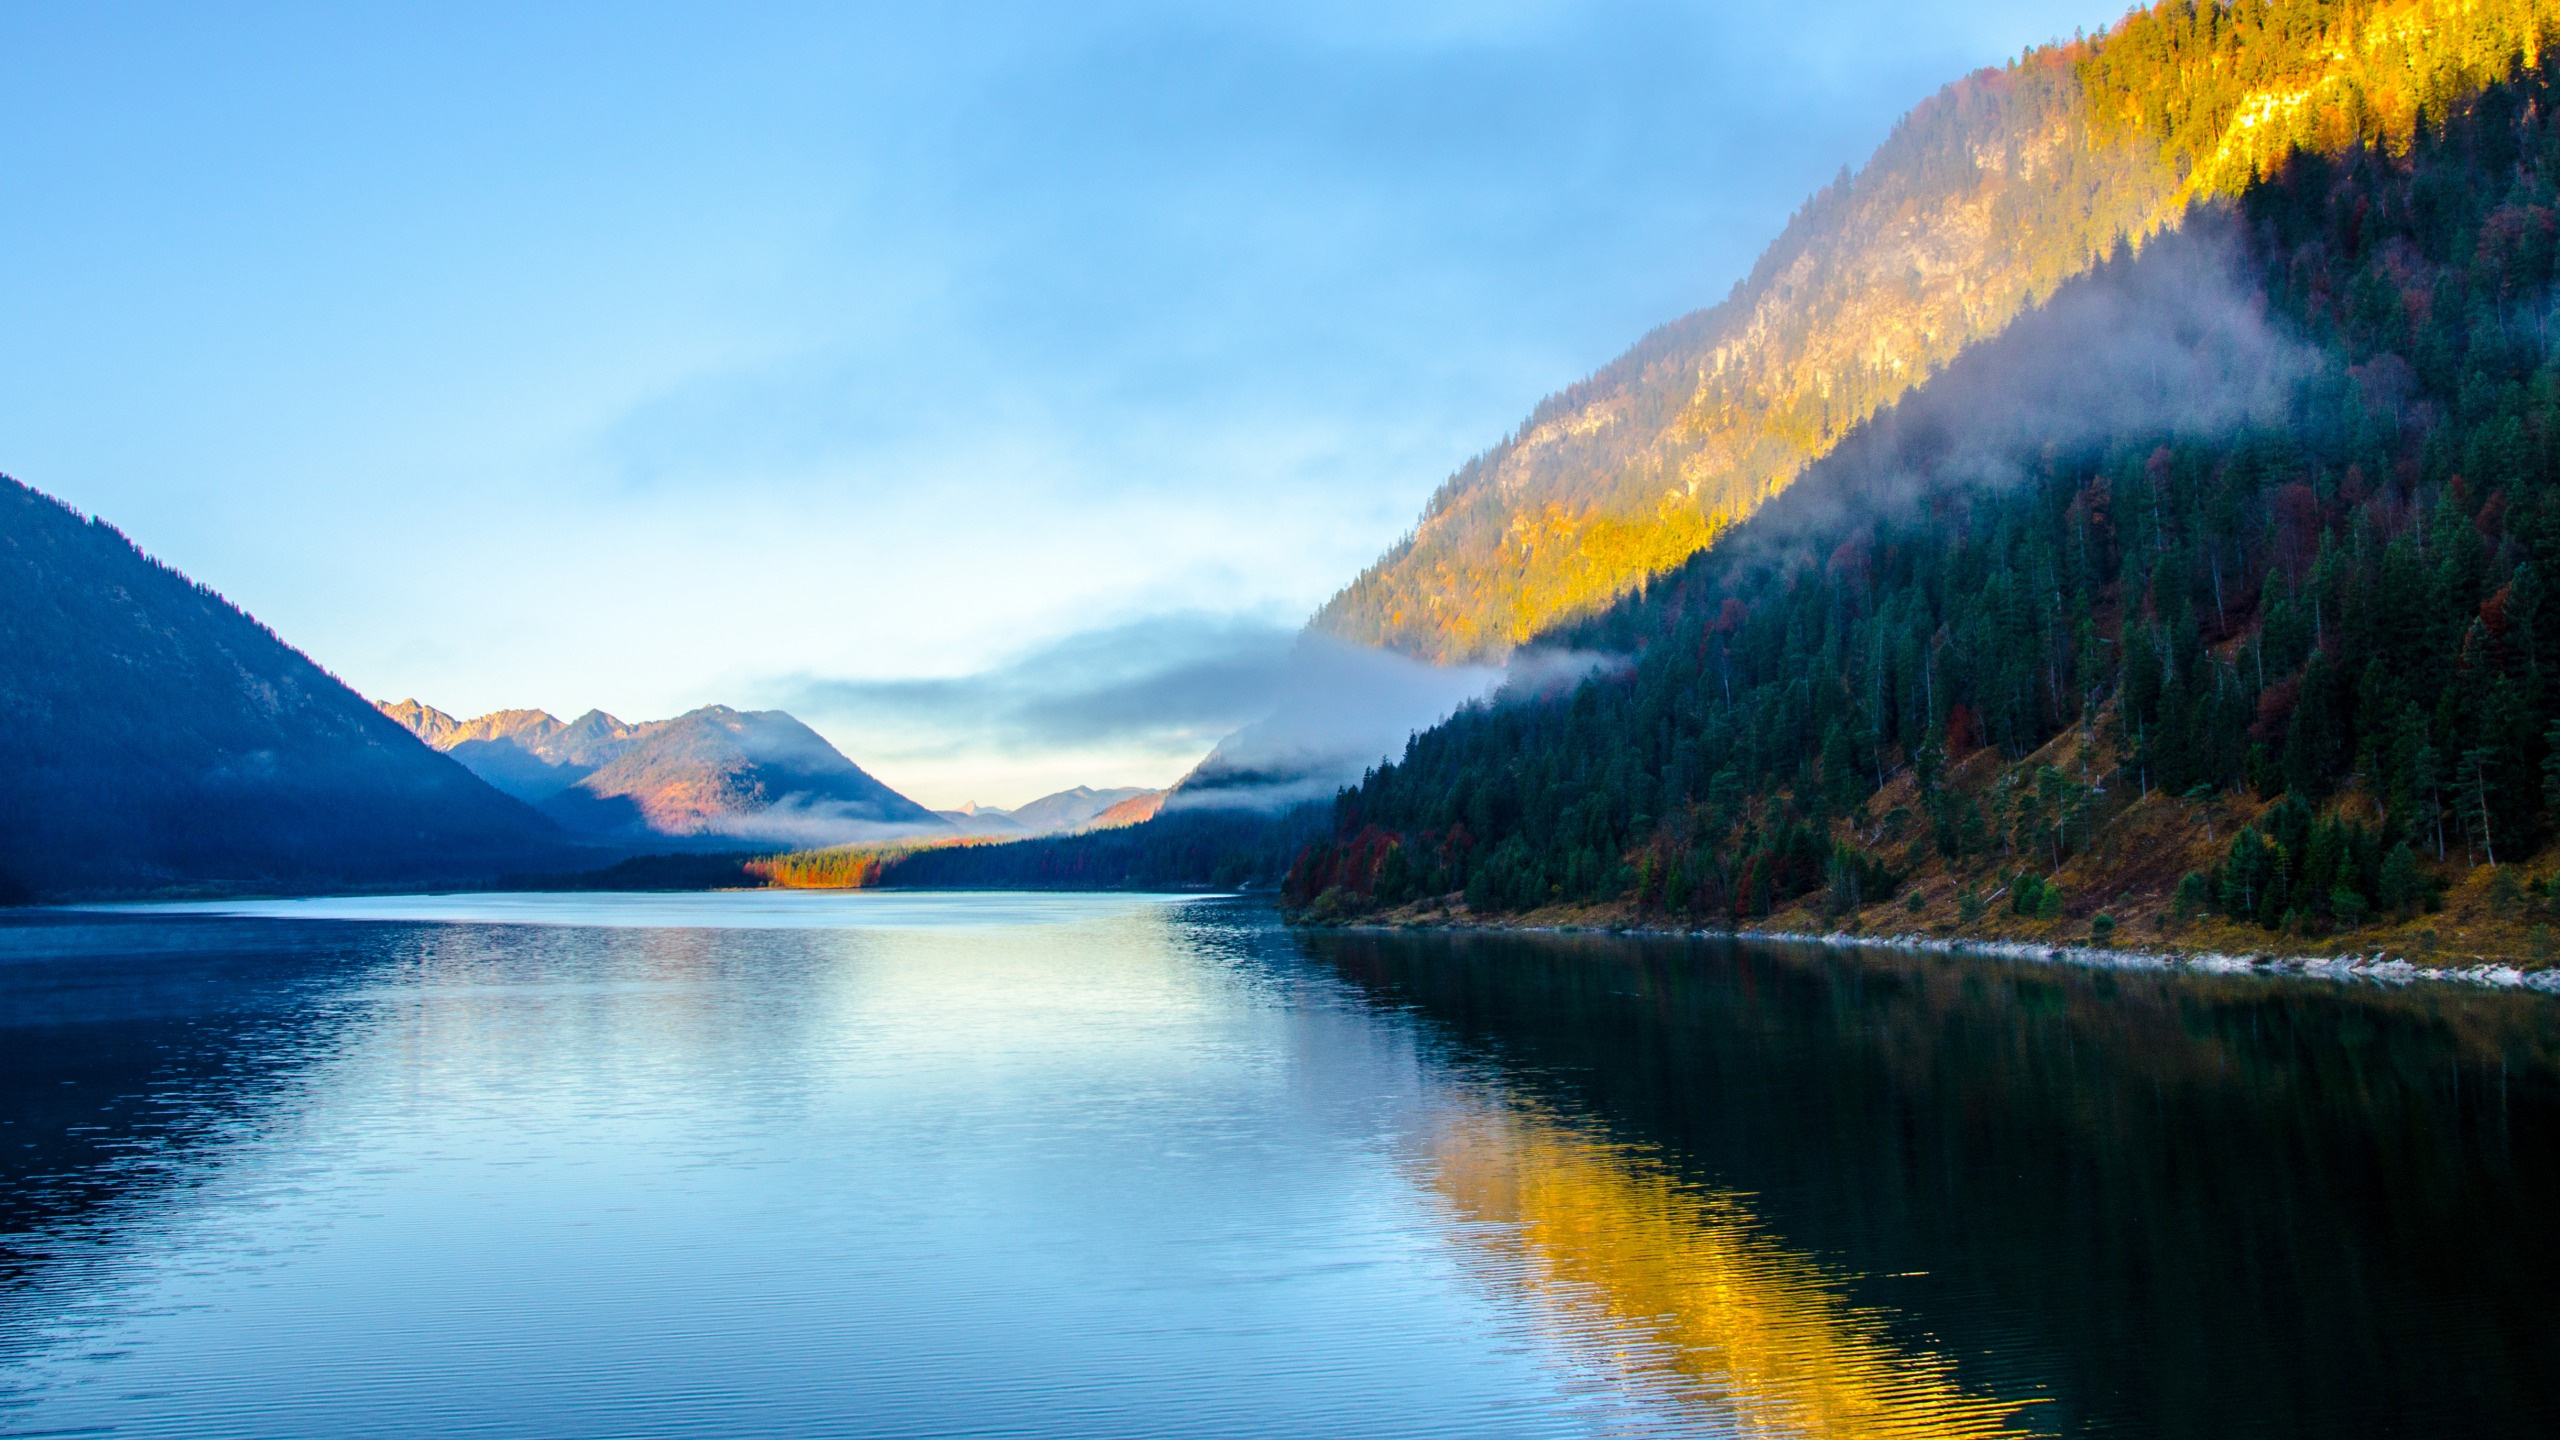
{"x":1081,"y":808}
{"x":716,"y":775}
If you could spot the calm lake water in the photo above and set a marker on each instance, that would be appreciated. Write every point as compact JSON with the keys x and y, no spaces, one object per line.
{"x":894,"y":1165}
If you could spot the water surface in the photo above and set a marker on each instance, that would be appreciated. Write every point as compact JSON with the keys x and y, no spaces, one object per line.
{"x":880,"y":1164}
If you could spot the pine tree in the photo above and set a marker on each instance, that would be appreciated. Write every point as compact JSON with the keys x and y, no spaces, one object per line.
{"x":2400,"y":879}
{"x":2426,"y":801}
{"x":2478,"y":764}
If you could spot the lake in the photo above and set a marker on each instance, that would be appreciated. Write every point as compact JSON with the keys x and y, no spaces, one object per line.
{"x":881,"y":1164}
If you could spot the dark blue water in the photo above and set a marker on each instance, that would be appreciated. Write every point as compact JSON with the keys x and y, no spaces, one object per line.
{"x":866,"y":1164}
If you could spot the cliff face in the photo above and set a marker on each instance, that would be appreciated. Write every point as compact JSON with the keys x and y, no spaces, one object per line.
{"x":152,"y":735}
{"x":1984,"y":200}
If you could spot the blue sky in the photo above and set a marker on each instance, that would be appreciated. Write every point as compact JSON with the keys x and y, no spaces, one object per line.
{"x":922,"y":368}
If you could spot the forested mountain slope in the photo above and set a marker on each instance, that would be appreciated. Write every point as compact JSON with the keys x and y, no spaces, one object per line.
{"x":1983,"y":201}
{"x":2285,"y":667}
{"x":152,"y":735}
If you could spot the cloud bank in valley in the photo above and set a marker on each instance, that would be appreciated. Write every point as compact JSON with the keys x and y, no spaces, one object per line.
{"x":1130,"y":703}
{"x":1341,"y":709}
{"x":1291,"y":714}
{"x":2173,"y":341}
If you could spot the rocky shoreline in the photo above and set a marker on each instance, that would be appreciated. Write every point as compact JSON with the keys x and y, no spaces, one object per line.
{"x":2378,"y":968}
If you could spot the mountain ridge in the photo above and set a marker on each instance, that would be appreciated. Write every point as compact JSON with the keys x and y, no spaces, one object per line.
{"x":1983,"y":200}
{"x":712,"y":772}
{"x":155,"y":736}
{"x":580,"y":772}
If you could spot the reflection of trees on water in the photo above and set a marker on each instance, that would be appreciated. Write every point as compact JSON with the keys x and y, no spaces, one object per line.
{"x":1681,"y":1291}
{"x":2179,"y":1205}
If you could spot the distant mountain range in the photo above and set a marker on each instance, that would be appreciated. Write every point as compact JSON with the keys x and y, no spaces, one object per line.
{"x":153,"y":736}
{"x":1067,"y":811}
{"x":723,"y":775}
{"x":708,"y":774}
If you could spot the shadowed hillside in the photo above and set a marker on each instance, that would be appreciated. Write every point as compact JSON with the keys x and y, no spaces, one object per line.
{"x":152,"y":735}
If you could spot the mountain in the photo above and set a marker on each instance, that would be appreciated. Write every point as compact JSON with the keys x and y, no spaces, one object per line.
{"x":426,"y":722}
{"x":1064,"y":812}
{"x":1984,"y":206}
{"x":527,"y":753}
{"x":1075,"y":809}
{"x":156,"y":737}
{"x":983,"y":821}
{"x":1137,"y":809}
{"x":755,"y":775}
{"x":2208,"y":604}
{"x":1982,"y":202}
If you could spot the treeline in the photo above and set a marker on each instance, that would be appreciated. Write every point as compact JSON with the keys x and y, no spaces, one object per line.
{"x":1178,"y":850}
{"x":837,"y":867}
{"x":696,"y":870}
{"x":2352,"y":596}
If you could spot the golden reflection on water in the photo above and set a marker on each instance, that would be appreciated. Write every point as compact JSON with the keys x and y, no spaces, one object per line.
{"x":1681,"y":1291}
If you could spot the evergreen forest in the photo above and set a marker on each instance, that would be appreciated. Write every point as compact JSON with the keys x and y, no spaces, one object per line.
{"x":2283,"y":664}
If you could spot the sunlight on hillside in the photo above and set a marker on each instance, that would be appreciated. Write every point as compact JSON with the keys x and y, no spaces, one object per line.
{"x":2230,"y":97}
{"x":1683,"y":1290}
{"x":1984,"y":200}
